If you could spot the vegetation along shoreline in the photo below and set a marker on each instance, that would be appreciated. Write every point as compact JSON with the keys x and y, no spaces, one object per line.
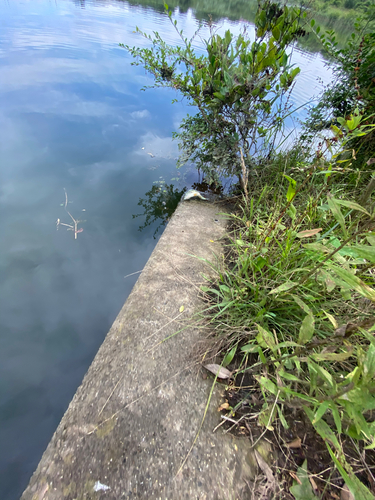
{"x":291,"y":308}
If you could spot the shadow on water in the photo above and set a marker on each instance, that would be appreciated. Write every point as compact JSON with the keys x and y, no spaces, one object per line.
{"x":159,"y":204}
{"x":162,"y":199}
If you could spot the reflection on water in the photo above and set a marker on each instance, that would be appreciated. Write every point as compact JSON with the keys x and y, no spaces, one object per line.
{"x":160,"y":203}
{"x":72,"y":117}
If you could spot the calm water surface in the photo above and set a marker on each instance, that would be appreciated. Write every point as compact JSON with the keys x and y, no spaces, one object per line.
{"x":72,"y":117}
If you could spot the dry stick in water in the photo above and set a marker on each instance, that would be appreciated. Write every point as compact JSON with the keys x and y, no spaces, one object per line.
{"x":70,"y":215}
{"x":75,"y":222}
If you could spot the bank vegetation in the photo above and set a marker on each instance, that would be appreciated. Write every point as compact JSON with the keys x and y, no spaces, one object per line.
{"x":292,"y":304}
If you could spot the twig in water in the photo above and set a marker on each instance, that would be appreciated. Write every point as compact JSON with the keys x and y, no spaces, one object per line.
{"x":71,"y":227}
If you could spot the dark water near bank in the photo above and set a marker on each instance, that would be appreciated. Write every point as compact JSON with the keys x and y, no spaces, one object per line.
{"x":72,"y":117}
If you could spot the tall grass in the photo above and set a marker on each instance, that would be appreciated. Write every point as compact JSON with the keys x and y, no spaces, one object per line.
{"x":294,"y":302}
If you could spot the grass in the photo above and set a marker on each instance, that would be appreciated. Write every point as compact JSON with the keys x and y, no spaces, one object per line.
{"x":292,"y":308}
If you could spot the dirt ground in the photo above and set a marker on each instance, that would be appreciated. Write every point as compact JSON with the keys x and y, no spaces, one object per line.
{"x":291,"y":447}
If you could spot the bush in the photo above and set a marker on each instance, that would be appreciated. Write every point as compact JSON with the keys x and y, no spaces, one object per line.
{"x":238,"y":87}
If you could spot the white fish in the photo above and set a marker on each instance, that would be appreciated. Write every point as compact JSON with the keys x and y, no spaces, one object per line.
{"x":192,"y":193}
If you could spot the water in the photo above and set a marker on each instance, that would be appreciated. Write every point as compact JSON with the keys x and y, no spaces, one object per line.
{"x":72,"y":117}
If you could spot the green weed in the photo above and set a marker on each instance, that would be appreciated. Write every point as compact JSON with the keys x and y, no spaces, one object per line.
{"x":295,"y":303}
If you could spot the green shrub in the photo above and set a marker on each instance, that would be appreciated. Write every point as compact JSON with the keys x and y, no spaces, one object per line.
{"x":239,"y":89}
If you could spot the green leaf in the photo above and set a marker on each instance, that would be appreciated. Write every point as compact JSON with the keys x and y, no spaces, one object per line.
{"x":357,"y":488}
{"x":219,"y":96}
{"x":336,"y":417}
{"x":369,"y":364}
{"x":287,"y":343}
{"x":266,"y":417}
{"x":298,"y":395}
{"x":335,"y":209}
{"x":265,"y":338}
{"x":370,"y":446}
{"x":352,"y":204}
{"x":322,"y":372}
{"x":267,"y":385}
{"x":321,"y":411}
{"x":292,"y":211}
{"x":229,"y":356}
{"x":302,"y":304}
{"x":225,"y":289}
{"x":354,"y":282}
{"x":250,"y":348}
{"x":282,"y":418}
{"x":291,"y":188}
{"x":228,"y":79}
{"x":276,"y":32}
{"x":283,"y":288}
{"x":288,"y":376}
{"x":307,"y":329}
{"x":262,"y":356}
{"x":359,"y":397}
{"x":318,"y":247}
{"x":323,"y":429}
{"x":365,"y":252}
{"x":333,"y":356}
{"x":302,"y":490}
{"x":332,"y":319}
{"x":259,"y":263}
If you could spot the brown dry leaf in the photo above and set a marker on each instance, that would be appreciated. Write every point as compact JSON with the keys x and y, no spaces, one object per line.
{"x":313,"y":484}
{"x":346,"y":494}
{"x":370,"y":161}
{"x":308,"y":233}
{"x":349,"y":328}
{"x":248,"y":223}
{"x":340,"y":332}
{"x":224,"y":406}
{"x":218,"y":370}
{"x":296,"y":443}
{"x":295,"y":477}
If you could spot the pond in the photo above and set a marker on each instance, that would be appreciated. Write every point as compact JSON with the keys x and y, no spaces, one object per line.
{"x":80,"y":142}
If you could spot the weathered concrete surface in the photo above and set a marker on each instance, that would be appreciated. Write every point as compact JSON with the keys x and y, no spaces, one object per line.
{"x":133,"y":420}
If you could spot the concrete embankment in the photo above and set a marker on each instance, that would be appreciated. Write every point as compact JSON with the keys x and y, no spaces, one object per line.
{"x":133,"y":420}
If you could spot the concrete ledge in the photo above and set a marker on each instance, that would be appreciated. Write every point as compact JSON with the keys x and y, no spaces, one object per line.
{"x":133,"y":420}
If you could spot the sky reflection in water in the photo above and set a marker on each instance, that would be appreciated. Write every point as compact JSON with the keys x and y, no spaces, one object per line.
{"x":72,"y":116}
